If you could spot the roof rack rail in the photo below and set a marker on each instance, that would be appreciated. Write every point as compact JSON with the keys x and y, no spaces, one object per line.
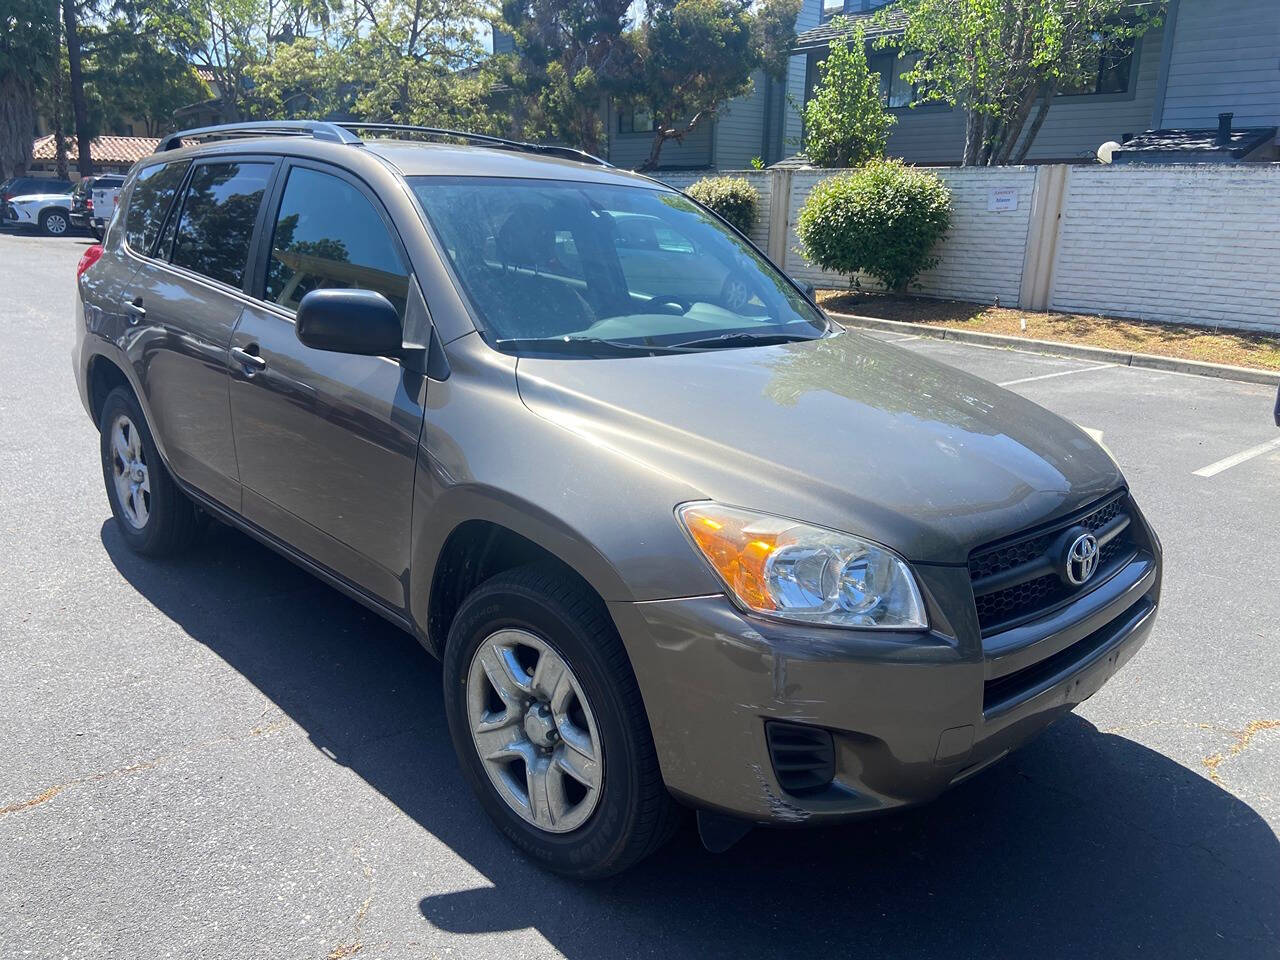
{"x":481,"y":139}
{"x":317,"y":129}
{"x":343,"y":131}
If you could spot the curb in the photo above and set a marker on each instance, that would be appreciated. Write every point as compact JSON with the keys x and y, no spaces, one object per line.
{"x":1147,"y":361}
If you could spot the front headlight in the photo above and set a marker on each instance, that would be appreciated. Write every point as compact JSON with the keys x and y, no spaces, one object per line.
{"x":796,"y":571}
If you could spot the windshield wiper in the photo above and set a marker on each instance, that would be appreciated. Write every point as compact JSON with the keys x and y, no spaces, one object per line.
{"x":568,"y":344}
{"x":739,"y":340}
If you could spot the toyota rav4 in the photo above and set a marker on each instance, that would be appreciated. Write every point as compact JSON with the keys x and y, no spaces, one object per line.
{"x":679,"y":539}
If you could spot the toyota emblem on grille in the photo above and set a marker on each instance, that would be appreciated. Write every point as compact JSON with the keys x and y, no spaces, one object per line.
{"x":1082,"y":559}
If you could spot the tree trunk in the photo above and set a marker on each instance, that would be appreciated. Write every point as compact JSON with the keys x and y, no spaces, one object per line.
{"x":59,"y":133}
{"x":17,"y":120}
{"x":655,"y":150}
{"x":974,"y":125}
{"x":1013,"y":129}
{"x":81,"y":114}
{"x":1050,"y":91}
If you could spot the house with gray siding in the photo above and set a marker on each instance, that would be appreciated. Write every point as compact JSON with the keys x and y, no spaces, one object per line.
{"x":1160,"y":99}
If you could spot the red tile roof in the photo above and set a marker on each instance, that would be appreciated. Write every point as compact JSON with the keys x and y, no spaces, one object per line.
{"x":104,"y":149}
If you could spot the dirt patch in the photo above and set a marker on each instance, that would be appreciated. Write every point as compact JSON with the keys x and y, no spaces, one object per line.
{"x":1132,"y":336}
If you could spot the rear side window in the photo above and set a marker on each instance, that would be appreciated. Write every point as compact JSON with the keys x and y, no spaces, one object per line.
{"x":328,"y":235}
{"x":218,"y":214}
{"x":153,"y":194}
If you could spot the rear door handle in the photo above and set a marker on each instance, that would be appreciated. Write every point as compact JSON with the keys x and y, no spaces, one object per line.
{"x":135,"y":309}
{"x":251,"y":362}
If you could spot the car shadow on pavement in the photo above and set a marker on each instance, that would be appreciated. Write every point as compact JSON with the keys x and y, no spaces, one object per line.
{"x":1082,"y":844}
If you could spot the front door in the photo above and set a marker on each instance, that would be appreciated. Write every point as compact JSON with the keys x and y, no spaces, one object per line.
{"x":184,"y":302}
{"x":327,"y":442}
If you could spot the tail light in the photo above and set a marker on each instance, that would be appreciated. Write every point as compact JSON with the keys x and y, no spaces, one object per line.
{"x":88,"y":203}
{"x":90,"y":256}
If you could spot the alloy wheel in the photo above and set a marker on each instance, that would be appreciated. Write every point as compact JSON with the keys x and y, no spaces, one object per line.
{"x":129,"y":472}
{"x":534,"y":731}
{"x":56,"y":224}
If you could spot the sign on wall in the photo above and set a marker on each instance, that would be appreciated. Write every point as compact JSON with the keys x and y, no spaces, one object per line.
{"x":1000,"y":199}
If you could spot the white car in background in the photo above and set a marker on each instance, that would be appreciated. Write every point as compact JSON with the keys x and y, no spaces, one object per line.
{"x":48,"y":212}
{"x":106,"y":194}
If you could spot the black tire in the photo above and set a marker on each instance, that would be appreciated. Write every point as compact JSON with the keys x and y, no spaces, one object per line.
{"x":172,"y":521}
{"x":55,"y":223}
{"x":635,"y":814}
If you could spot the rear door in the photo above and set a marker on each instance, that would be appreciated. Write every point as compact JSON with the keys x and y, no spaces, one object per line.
{"x":186,"y":299}
{"x":327,"y":442}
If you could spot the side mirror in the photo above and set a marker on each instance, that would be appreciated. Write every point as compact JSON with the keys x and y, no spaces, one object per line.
{"x":349,"y":321}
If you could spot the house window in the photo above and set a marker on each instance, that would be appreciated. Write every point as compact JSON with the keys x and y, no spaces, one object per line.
{"x":635,"y":120}
{"x":889,"y":64}
{"x":834,"y":8}
{"x":1108,"y":69}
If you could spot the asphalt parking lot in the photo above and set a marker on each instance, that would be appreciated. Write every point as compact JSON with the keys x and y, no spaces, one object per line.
{"x":221,"y":757}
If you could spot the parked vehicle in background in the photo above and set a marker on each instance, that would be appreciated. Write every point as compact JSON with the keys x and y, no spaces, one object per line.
{"x":82,"y":203}
{"x":25,"y":186}
{"x":674,"y":538}
{"x":105,"y":196}
{"x":50,"y":213}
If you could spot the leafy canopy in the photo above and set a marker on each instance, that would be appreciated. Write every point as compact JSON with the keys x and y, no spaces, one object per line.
{"x":846,"y":123}
{"x":1003,"y":60}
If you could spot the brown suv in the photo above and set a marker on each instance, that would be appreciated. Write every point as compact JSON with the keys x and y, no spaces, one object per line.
{"x":678,"y":538}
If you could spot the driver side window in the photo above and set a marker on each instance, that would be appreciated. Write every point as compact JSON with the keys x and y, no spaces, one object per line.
{"x":328,"y":235}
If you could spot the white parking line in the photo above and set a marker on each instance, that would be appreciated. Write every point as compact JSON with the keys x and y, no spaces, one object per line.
{"x":1227,"y":463}
{"x":1060,"y":373}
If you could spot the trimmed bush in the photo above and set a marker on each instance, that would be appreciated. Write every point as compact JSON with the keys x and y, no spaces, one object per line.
{"x":883,"y":219}
{"x":734,"y":198}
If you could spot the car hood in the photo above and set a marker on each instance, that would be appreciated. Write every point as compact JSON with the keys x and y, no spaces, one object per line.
{"x":846,"y":432}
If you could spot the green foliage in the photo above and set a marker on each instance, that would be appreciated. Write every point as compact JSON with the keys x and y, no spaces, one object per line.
{"x":129,"y":76}
{"x":569,"y":54}
{"x":1003,"y":60}
{"x":883,"y":219}
{"x":695,"y":55}
{"x":28,"y":32}
{"x":846,"y":123}
{"x":734,"y":198}
{"x":757,"y":163}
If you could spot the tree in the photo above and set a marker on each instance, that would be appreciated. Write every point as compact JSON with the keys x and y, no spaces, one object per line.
{"x":28,"y":31}
{"x":53,"y":104}
{"x":698,"y":54}
{"x":846,"y":123}
{"x":1003,"y":60}
{"x":84,"y":136}
{"x":570,"y":55}
{"x":130,"y":76}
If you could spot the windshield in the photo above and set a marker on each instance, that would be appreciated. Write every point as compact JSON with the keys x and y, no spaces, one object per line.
{"x":592,"y":269}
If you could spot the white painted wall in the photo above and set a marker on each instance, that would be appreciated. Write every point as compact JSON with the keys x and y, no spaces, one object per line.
{"x":1197,"y":244}
{"x":981,"y":258}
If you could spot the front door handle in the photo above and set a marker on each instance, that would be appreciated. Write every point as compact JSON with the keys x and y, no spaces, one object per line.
{"x":251,"y":362}
{"x":135,"y":309}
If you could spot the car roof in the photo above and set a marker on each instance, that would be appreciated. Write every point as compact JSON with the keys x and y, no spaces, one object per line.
{"x":414,"y":158}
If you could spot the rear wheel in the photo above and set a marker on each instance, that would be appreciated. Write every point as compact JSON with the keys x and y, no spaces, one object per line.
{"x":546,"y":718}
{"x":153,"y":516}
{"x":54,"y":223}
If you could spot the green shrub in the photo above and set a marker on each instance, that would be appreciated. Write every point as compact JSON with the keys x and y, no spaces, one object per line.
{"x":846,"y":123}
{"x":883,"y":219}
{"x":734,"y":198}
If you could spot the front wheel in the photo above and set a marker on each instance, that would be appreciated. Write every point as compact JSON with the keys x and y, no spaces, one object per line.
{"x":153,"y":516}
{"x":546,"y":718}
{"x":54,"y":223}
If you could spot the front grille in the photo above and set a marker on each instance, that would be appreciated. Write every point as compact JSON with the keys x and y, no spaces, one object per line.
{"x":804,"y":758}
{"x":1020,"y":578}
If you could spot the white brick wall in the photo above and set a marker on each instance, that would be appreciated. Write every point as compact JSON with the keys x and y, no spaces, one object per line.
{"x":1198,"y":244}
{"x":759,"y":233}
{"x":981,"y":258}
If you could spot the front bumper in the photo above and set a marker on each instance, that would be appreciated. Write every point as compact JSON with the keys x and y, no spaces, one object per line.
{"x":908,"y":716}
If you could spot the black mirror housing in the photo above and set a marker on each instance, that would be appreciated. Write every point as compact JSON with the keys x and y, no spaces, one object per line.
{"x":349,"y":321}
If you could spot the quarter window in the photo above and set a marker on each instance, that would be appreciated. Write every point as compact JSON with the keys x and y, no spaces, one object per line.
{"x":328,"y":235}
{"x":218,"y":215}
{"x":153,"y":194}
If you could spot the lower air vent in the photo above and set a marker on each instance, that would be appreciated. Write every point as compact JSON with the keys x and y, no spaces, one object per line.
{"x":804,"y":758}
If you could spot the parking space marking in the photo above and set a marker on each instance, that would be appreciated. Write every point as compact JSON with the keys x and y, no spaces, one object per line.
{"x":1227,"y":463}
{"x":1059,"y":373}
